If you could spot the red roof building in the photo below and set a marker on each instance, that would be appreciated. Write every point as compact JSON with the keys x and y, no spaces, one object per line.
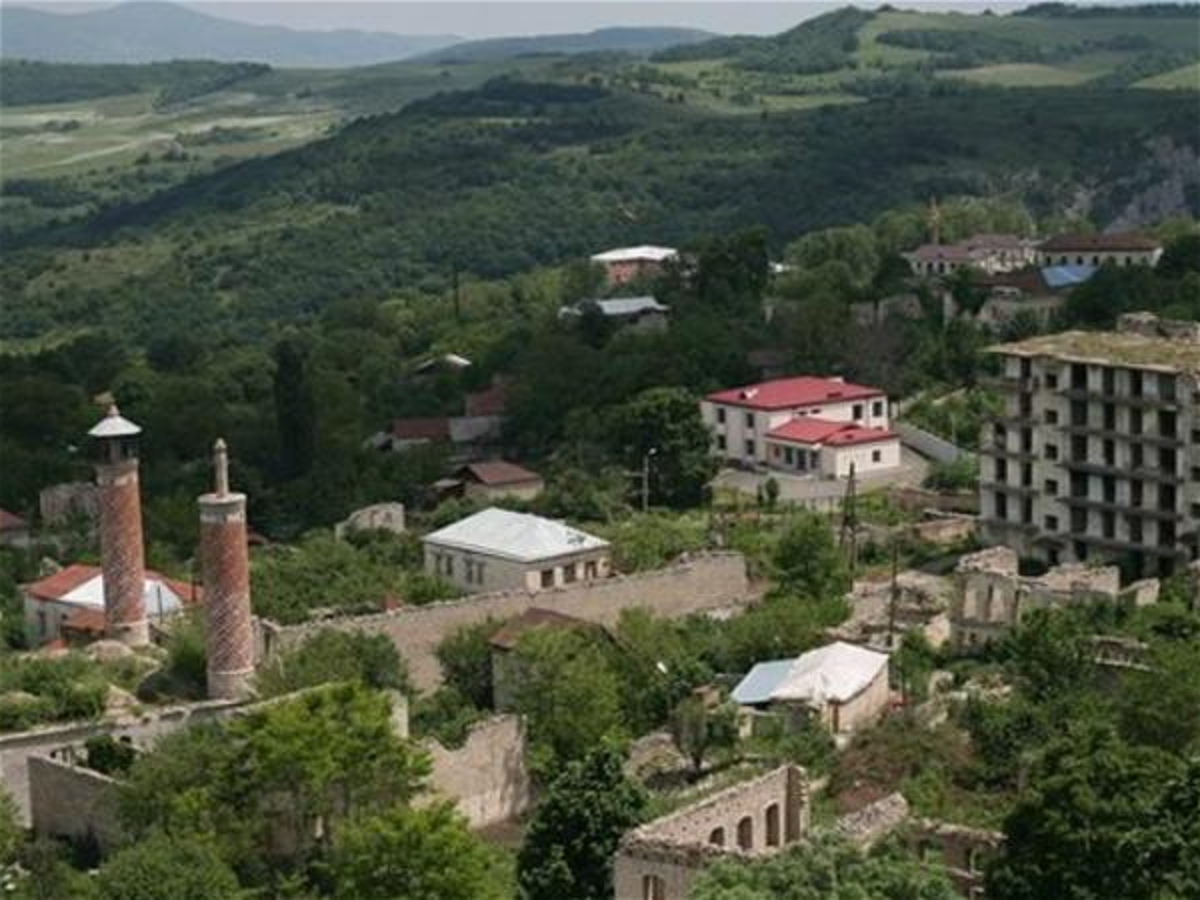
{"x":420,"y":430}
{"x":497,"y":478}
{"x":491,"y":401}
{"x":837,"y":434}
{"x":791,"y":393}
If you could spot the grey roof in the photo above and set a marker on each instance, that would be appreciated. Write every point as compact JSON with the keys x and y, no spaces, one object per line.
{"x":512,"y":535}
{"x":1066,"y":276}
{"x":114,"y":425}
{"x":617,"y":307}
{"x":837,"y":672}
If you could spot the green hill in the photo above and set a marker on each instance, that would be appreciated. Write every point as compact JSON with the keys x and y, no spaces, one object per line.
{"x":514,"y":174}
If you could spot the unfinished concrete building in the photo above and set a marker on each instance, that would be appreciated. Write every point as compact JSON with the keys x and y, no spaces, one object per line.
{"x":661,"y":859}
{"x":1096,"y":455}
{"x":991,"y":596}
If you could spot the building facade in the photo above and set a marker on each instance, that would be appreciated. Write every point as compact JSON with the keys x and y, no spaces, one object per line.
{"x":1098,"y":249}
{"x":625,"y":264}
{"x":744,"y":421}
{"x":499,"y":550}
{"x":1096,"y":455}
{"x":661,"y":859}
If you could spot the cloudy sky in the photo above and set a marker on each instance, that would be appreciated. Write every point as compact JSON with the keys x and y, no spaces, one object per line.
{"x":486,"y":18}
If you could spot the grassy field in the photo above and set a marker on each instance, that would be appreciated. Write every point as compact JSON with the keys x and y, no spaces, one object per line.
{"x":1186,"y":78}
{"x":1020,"y":75}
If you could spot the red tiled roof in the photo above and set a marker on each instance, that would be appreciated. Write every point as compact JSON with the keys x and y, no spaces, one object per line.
{"x":785,"y":393}
{"x":811,"y":430}
{"x":55,"y":587}
{"x":934,"y":252}
{"x":514,"y":629}
{"x":1067,"y":243}
{"x":498,"y":472}
{"x":11,"y":521}
{"x":430,"y":429}
{"x":491,"y":401}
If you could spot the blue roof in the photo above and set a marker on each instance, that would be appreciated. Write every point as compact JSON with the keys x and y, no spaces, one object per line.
{"x":1066,"y":276}
{"x":761,"y":682}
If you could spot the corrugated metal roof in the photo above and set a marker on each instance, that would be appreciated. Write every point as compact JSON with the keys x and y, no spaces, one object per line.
{"x":519,"y":536}
{"x":1058,"y":277}
{"x":761,"y":682}
{"x":835,"y":672}
{"x":633,"y":254}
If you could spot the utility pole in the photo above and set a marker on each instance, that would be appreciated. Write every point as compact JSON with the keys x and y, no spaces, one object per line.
{"x":894,"y":593}
{"x":848,"y":539}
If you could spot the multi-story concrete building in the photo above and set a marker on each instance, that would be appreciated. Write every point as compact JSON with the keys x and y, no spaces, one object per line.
{"x":1098,"y":249}
{"x":1096,"y":455}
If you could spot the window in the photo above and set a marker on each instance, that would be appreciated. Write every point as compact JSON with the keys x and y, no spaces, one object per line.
{"x":1052,"y":451}
{"x":653,"y":888}
{"x":877,"y":408}
{"x":876,"y":456}
{"x":547,"y":578}
{"x":1052,"y":523}
{"x":720,"y":415}
{"x":789,"y":456}
{"x":857,"y":412}
{"x":717,"y":837}
{"x":1051,"y":486}
{"x":745,"y":833}
{"x":750,"y":420}
{"x":590,"y":569}
{"x":469,"y":570}
{"x":478,"y":572}
{"x":721,"y":442}
{"x":1052,"y":417}
{"x":570,"y":573}
{"x":450,"y":566}
{"x":1052,"y":380}
{"x":750,"y":448}
{"x":772,"y":825}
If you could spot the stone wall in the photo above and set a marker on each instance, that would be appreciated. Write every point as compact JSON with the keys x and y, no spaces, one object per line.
{"x":70,"y":802}
{"x":756,"y":818}
{"x":946,"y":529}
{"x":963,"y":852}
{"x":16,"y":750}
{"x":705,"y":582}
{"x":486,"y":777}
{"x":866,"y":827}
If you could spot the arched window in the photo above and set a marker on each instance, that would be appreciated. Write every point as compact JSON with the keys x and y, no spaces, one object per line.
{"x":717,"y":838}
{"x":653,"y":888}
{"x":745,"y":833}
{"x":772,"y":825}
{"x":975,"y":860}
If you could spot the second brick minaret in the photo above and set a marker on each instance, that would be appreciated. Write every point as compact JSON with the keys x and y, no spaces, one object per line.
{"x":225,"y":570}
{"x":122,"y":558}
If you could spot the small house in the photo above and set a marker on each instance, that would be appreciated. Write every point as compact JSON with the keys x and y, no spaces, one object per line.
{"x":624,"y":264}
{"x":644,"y":314}
{"x":493,"y":479}
{"x":842,"y":685}
{"x":498,"y":550}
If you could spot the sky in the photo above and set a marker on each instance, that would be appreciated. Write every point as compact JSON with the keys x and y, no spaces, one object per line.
{"x":489,"y":18}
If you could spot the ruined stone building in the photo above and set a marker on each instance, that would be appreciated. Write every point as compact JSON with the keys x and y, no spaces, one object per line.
{"x":661,"y":859}
{"x":1096,"y":454}
{"x":991,"y":596}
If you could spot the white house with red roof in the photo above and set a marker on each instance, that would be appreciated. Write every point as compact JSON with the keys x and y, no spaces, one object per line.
{"x":803,"y":425}
{"x":70,"y":603}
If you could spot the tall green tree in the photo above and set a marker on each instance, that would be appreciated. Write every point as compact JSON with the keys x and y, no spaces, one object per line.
{"x":161,"y":867}
{"x":295,"y":411}
{"x":412,"y":854}
{"x":807,"y":560}
{"x":569,"y":846}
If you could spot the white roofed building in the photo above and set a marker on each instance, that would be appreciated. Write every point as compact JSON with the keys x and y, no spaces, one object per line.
{"x":638,"y":313}
{"x":496,"y":549}
{"x":843,"y":684}
{"x":69,"y":604}
{"x":624,"y":264}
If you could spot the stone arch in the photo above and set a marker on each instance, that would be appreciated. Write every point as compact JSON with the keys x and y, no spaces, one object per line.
{"x":745,"y":833}
{"x":771,"y":825}
{"x":717,"y":837}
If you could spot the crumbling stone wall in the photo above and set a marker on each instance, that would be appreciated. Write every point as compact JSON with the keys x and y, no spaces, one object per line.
{"x":706,"y":582}
{"x":67,"y":801}
{"x":963,"y":852}
{"x":486,"y":777}
{"x":756,"y":818}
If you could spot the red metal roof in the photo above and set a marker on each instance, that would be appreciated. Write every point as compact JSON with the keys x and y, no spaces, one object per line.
{"x":429,"y":429}
{"x":1084,"y":242}
{"x":11,"y":521}
{"x":811,"y":430}
{"x":786,"y":393}
{"x":533,"y":619}
{"x":55,"y":587}
{"x":498,"y":472}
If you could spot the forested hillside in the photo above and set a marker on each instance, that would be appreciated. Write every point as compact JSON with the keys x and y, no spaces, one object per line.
{"x":515,"y":174}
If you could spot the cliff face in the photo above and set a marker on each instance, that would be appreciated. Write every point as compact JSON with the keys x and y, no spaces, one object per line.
{"x":1166,"y":183}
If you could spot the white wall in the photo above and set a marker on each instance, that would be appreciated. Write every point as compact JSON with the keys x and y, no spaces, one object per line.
{"x":742,"y":424}
{"x":477,"y":573}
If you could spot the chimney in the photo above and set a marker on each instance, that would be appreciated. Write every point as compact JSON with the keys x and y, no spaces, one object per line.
{"x":225,"y":572}
{"x":122,"y":558}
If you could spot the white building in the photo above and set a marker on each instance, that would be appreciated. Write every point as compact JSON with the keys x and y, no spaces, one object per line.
{"x":845,"y":686}
{"x":989,"y":253}
{"x":1098,"y":249}
{"x":70,"y":603}
{"x":497,"y":550}
{"x":804,"y":424}
{"x":623,"y":264}
{"x":634,"y":313}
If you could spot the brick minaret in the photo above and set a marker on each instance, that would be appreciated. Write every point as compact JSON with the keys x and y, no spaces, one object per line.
{"x":121,"y":554}
{"x":225,"y":568}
